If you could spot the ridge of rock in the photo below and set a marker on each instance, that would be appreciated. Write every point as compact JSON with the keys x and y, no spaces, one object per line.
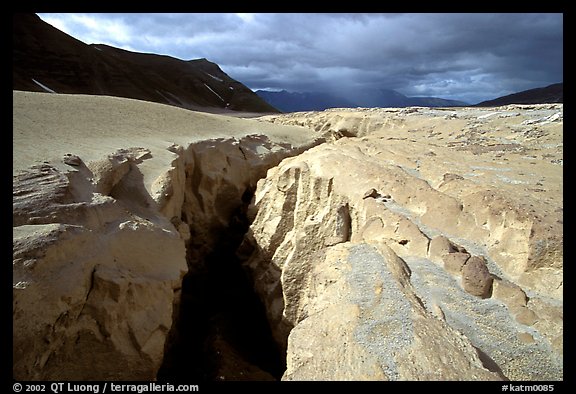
{"x":463,"y":245}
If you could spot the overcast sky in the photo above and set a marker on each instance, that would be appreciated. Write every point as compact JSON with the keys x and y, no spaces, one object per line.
{"x":469,"y":57}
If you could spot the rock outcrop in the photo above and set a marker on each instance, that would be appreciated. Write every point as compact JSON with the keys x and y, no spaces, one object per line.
{"x":103,"y":240}
{"x":420,"y":248}
{"x":95,"y":275}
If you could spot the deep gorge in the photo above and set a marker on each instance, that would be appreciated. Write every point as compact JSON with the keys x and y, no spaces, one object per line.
{"x":221,"y":331}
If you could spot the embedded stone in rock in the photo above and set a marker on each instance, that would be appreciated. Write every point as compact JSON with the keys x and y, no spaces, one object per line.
{"x":371,"y":193}
{"x":450,"y":177}
{"x":509,"y":293}
{"x":476,"y":279}
{"x":525,"y":337}
{"x":440,"y":246}
{"x":453,"y":262}
{"x":525,"y":316}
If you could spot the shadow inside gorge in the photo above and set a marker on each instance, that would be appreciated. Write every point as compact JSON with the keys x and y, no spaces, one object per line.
{"x":221,"y":331}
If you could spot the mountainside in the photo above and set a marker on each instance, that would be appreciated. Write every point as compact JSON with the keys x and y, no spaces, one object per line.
{"x":47,"y":60}
{"x":546,"y":95}
{"x":393,"y":99}
{"x":435,"y":102}
{"x":318,"y":101}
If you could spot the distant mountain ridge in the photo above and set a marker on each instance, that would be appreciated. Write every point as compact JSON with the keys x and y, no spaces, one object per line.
{"x":45,"y":59}
{"x":547,"y":95}
{"x":318,"y":101}
{"x":306,"y":101}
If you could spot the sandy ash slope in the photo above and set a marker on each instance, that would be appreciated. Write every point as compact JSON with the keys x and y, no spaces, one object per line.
{"x":382,"y":244}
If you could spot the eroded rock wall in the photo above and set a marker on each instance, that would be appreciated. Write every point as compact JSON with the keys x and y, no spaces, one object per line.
{"x":99,"y":257}
{"x":96,"y":271}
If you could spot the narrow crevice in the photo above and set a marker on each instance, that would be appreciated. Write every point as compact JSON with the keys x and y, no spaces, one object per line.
{"x":90,"y":288}
{"x":220,"y":330}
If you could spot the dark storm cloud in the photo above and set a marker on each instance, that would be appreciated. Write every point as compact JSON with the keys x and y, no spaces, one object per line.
{"x":470,"y":57}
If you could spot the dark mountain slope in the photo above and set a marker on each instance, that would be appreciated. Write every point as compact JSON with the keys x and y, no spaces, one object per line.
{"x":63,"y":64}
{"x":549,"y":94}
